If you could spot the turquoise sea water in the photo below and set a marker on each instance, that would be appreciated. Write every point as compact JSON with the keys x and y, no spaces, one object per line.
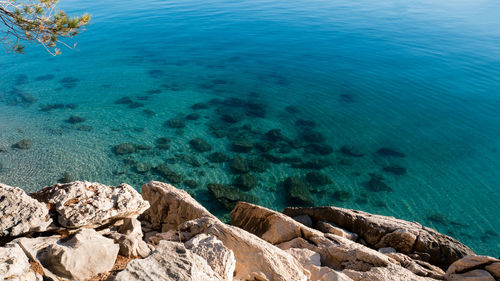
{"x":408,"y":89}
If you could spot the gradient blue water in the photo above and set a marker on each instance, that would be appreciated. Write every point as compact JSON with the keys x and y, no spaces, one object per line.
{"x":420,"y":77}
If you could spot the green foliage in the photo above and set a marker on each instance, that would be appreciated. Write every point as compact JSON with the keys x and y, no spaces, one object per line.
{"x":37,"y":21}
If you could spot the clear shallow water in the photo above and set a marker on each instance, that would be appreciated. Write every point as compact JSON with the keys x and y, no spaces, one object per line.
{"x":420,"y":78}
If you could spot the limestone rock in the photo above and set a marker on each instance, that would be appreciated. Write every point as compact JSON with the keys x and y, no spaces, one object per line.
{"x":15,"y":265}
{"x":328,"y":227}
{"x":19,"y":213}
{"x":220,"y":258}
{"x":336,"y":252}
{"x":305,"y":220}
{"x":129,"y":237}
{"x":31,"y":247}
{"x":473,"y":275}
{"x":170,"y":206}
{"x":268,"y":225}
{"x":389,"y":273}
{"x":255,"y":258}
{"x":86,"y":204}
{"x":305,"y":256}
{"x":406,"y":237}
{"x":420,"y":268}
{"x":83,"y":256}
{"x":169,"y":261}
{"x":473,"y":266}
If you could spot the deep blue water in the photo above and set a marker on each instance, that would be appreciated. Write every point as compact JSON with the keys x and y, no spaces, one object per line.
{"x":418,"y":79}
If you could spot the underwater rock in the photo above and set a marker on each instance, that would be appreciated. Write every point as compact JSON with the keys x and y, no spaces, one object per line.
{"x":142,"y":147}
{"x":298,"y":192}
{"x":292,"y":109}
{"x":191,"y":160}
{"x":242,"y":146}
{"x":305,"y":123}
{"x":23,"y":144}
{"x":175,"y":123}
{"x":124,"y":148}
{"x":69,"y":82}
{"x":163,"y":143}
{"x":319,"y":149}
{"x":193,"y":116}
{"x":66,"y":178}
{"x":246,"y":181}
{"x":315,"y":164}
{"x":377,"y":184}
{"x":342,"y":195}
{"x":71,"y":106}
{"x":200,"y":105}
{"x":239,"y":165}
{"x":74,"y":119}
{"x":229,"y":196}
{"x":258,"y":165}
{"x":142,"y":167}
{"x":148,"y":113}
{"x":265,"y":146}
{"x":155,"y":73}
{"x":190,"y":183}
{"x":389,"y":152}
{"x":124,"y":100}
{"x":171,"y":176}
{"x":350,"y":151}
{"x":134,"y":105}
{"x":231,"y":116}
{"x":317,"y":179}
{"x":284,"y":148}
{"x":217,"y":157}
{"x":255,"y":110}
{"x":395,"y":169}
{"x":312,"y":136}
{"x":49,"y":107}
{"x":275,"y":135}
{"x":200,"y":145}
{"x":438,"y":218}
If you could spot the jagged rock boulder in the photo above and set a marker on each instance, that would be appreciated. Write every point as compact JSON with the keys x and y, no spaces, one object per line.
{"x":19,"y":213}
{"x":86,"y":204}
{"x":328,"y":227}
{"x":129,"y":238}
{"x":475,"y":268}
{"x":389,"y":273}
{"x":220,"y":258}
{"x":15,"y":265}
{"x":382,"y":231}
{"x":170,"y":206}
{"x":169,"y":261}
{"x":311,"y":261}
{"x":255,"y":258}
{"x":81,"y":257}
{"x":420,"y":268}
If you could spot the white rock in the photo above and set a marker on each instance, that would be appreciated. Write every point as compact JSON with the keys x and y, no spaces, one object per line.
{"x":305,"y":256}
{"x":169,"y":261}
{"x":255,"y":258}
{"x":220,"y":258}
{"x":322,"y":273}
{"x":328,"y":227}
{"x":389,"y":273}
{"x":129,"y":237}
{"x":87,"y":204}
{"x":473,"y":275}
{"x":19,"y":213}
{"x":170,"y":206}
{"x":15,"y":266}
{"x":83,"y":256}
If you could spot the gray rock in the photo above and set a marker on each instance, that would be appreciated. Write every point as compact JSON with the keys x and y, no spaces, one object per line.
{"x":220,"y":258}
{"x":382,"y":231}
{"x":129,"y":237}
{"x":170,"y":206}
{"x":83,"y":256}
{"x":19,"y":213}
{"x":169,"y":261}
{"x":15,"y":265}
{"x":87,"y":204}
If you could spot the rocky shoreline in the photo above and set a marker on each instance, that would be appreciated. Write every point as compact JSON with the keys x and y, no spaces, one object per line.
{"x":89,"y":231}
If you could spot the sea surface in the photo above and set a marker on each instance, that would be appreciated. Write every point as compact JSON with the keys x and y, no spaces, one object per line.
{"x":392,"y":107}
